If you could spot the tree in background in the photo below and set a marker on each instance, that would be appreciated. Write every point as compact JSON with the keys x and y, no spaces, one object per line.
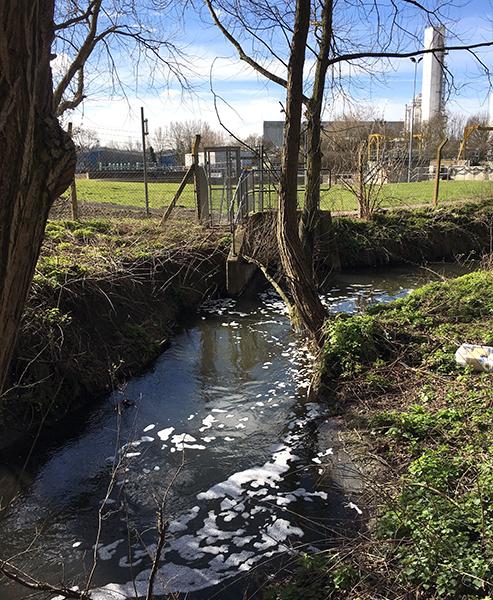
{"x":342,"y":138}
{"x":178,"y":135}
{"x":85,"y":139}
{"x":479,"y":146}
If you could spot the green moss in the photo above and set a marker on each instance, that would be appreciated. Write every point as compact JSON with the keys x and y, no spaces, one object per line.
{"x":418,"y":423}
{"x":393,"y":233}
{"x":139,"y":338}
{"x":315,"y":577}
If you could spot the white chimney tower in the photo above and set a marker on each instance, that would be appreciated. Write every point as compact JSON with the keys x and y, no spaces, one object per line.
{"x":433,"y":70}
{"x":490,"y":111}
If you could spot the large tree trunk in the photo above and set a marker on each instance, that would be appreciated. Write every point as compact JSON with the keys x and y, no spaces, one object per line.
{"x":37,"y":157}
{"x":311,"y":206}
{"x":294,"y":261}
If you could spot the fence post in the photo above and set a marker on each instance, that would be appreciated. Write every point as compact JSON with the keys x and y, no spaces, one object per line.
{"x":73,"y":188}
{"x":201,"y":191}
{"x":145,"y":131}
{"x":437,"y":174}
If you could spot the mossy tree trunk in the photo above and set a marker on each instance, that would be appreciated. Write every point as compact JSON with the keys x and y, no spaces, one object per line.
{"x":38,"y":157}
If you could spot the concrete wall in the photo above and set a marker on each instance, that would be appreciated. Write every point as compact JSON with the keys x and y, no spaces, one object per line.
{"x":466,"y":173}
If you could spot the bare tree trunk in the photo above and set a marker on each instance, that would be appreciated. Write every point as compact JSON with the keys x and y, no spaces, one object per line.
{"x":38,"y":158}
{"x":298,"y":274}
{"x":311,"y":208}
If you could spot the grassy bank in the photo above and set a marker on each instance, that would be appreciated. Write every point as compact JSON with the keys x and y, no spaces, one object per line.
{"x":393,"y":237}
{"x":106,"y":296}
{"x":414,"y":236}
{"x":427,"y":523}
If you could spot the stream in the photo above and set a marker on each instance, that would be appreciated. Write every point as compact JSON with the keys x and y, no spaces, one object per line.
{"x":222,"y":430}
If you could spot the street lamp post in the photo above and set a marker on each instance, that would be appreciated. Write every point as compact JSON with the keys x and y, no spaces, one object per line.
{"x":411,"y":125}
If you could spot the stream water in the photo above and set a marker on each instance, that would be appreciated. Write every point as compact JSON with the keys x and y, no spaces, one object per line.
{"x":222,"y":427}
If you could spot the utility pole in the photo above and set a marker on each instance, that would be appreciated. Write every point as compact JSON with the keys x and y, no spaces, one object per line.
{"x":411,"y":125}
{"x":145,"y":132}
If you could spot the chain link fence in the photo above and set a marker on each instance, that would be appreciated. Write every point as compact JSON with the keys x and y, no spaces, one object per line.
{"x":112,"y":182}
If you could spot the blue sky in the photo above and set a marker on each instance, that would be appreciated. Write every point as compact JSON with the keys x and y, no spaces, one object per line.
{"x":247,"y":99}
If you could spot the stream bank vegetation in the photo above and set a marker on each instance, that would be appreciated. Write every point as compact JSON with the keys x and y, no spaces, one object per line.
{"x":106,"y":296}
{"x":426,"y":424}
{"x":395,"y":237}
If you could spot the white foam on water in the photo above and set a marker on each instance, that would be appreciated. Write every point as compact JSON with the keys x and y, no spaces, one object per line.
{"x":266,"y":476}
{"x":184,"y":441}
{"x":165,"y":433}
{"x":208,"y":422}
{"x":149,"y":428}
{"x":325,"y":452}
{"x":218,"y":542}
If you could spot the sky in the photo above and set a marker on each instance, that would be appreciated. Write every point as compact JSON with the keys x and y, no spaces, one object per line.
{"x":243,"y":99}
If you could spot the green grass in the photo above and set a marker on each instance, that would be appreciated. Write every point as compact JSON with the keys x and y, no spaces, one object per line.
{"x":126,"y":193}
{"x":101,"y":246}
{"x":130,"y":193}
{"x":409,"y":194}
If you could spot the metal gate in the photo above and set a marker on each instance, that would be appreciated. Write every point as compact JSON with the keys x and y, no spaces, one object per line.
{"x":223,"y":170}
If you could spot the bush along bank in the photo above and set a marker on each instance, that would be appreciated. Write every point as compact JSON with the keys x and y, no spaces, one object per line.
{"x":105,"y":300}
{"x":425,"y":425}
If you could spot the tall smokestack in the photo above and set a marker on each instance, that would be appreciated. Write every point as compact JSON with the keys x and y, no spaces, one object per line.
{"x":490,"y":111}
{"x":433,"y":70}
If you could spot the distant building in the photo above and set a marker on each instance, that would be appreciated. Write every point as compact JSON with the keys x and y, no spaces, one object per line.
{"x":103,"y":158}
{"x":433,"y":74}
{"x":417,"y":114}
{"x":274,"y":130}
{"x":218,"y":157}
{"x":273,"y":133}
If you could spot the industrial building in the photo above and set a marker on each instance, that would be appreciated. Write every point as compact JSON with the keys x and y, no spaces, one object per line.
{"x":433,"y":74}
{"x":273,"y":131}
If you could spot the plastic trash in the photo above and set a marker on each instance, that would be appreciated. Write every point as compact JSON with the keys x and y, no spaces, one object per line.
{"x":478,"y":357}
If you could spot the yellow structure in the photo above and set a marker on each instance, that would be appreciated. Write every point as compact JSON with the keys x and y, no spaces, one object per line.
{"x":468,"y":131}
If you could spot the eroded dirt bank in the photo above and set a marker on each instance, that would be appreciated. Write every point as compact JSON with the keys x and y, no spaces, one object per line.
{"x":105,"y":300}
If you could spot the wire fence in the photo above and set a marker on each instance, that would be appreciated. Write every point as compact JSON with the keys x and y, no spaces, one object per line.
{"x":111,"y":182}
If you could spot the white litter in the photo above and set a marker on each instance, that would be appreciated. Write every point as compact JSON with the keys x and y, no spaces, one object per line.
{"x":478,"y":357}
